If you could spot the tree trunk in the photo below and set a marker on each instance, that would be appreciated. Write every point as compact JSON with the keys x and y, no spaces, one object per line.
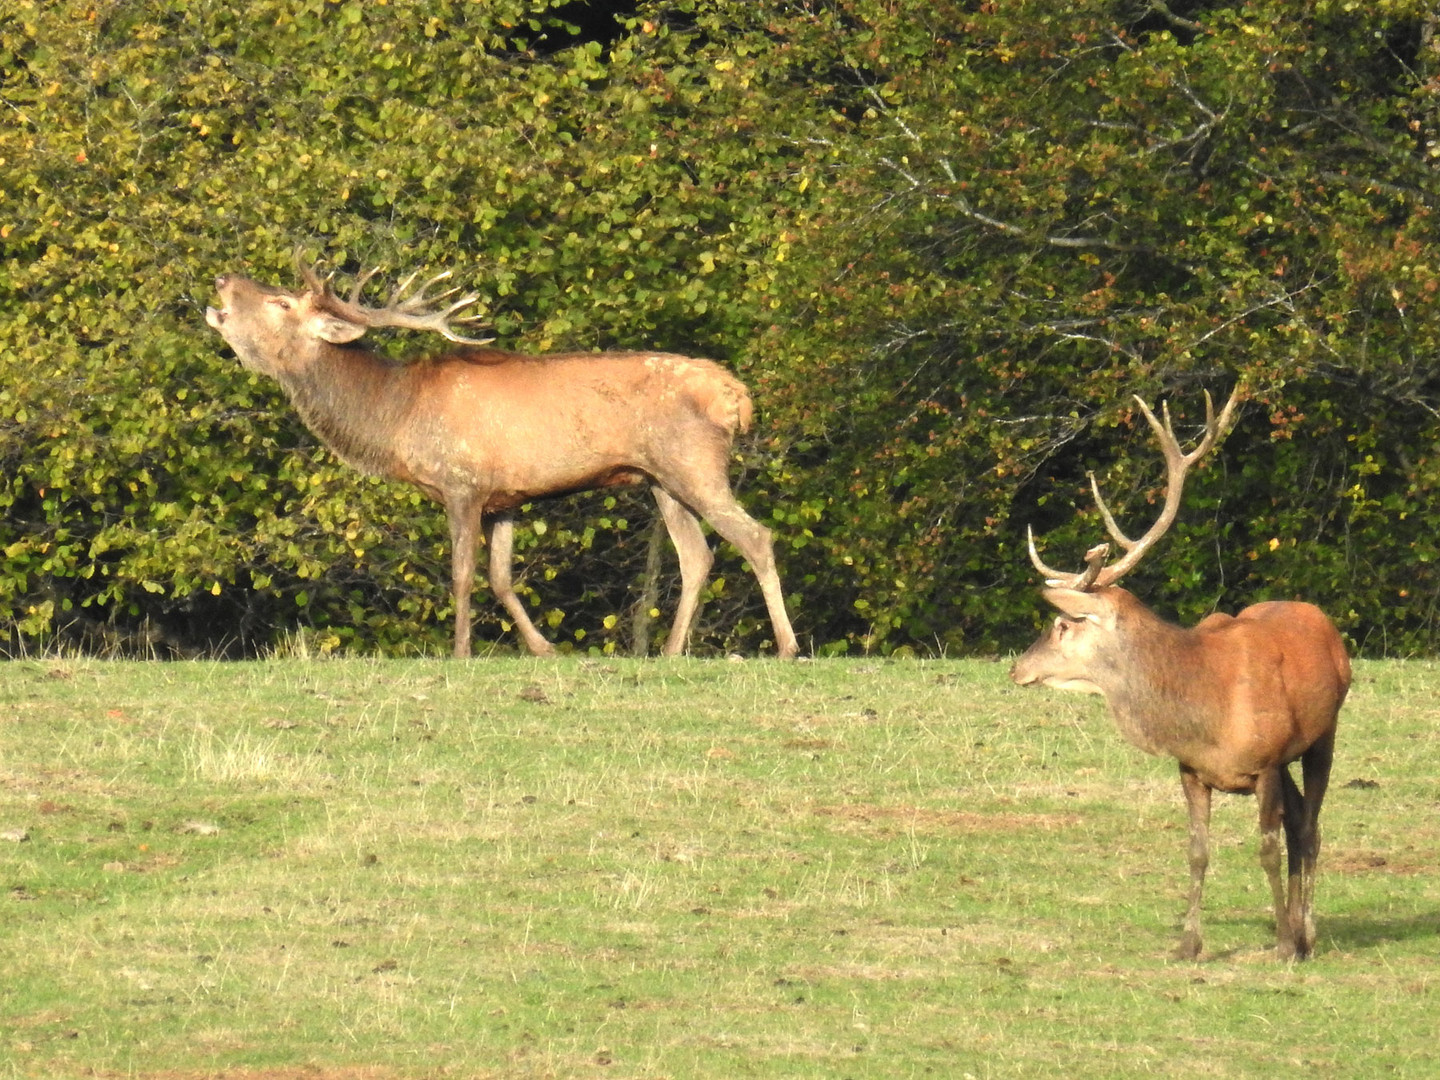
{"x":641,"y":619}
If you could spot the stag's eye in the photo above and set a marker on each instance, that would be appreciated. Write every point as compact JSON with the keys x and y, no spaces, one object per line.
{"x":283,"y":302}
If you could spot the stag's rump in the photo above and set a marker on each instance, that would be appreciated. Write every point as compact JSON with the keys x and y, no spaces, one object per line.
{"x":1288,"y":674}
{"x":1314,"y":663}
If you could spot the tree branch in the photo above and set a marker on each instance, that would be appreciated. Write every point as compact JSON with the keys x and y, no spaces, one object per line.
{"x":1159,"y":7}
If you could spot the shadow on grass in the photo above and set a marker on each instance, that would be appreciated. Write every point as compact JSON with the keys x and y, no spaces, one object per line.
{"x":1340,"y":932}
{"x":1364,"y":931}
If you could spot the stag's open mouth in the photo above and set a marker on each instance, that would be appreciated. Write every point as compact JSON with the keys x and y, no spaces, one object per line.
{"x":215,"y":318}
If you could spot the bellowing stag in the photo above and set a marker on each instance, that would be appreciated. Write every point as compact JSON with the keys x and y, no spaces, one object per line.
{"x":484,"y":431}
{"x":1233,"y":700}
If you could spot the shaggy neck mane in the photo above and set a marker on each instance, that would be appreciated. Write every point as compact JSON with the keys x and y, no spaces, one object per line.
{"x":355,"y":400}
{"x":1152,"y":687}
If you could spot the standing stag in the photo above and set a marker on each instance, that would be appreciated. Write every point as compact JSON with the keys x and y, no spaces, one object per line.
{"x":1233,"y":700}
{"x":484,"y":431}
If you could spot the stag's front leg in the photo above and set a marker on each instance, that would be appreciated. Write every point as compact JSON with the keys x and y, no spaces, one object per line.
{"x":500,"y":537}
{"x":696,"y":559}
{"x":1269,"y":794}
{"x":1197,"y":803}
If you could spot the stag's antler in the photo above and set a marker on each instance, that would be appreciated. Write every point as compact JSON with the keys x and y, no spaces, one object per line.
{"x":413,"y":312}
{"x":1177,"y":463}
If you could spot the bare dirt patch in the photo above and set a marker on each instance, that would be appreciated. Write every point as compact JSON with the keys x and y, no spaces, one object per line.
{"x":958,"y":820}
{"x":1373,"y":862}
{"x":289,"y":1072}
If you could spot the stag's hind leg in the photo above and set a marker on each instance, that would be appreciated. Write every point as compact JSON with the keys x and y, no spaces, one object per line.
{"x":757,"y":545}
{"x":696,"y":558}
{"x":500,"y":536}
{"x":709,"y":495}
{"x":1295,"y":843}
{"x":1197,"y":802}
{"x":1302,"y":833}
{"x":1271,"y":799}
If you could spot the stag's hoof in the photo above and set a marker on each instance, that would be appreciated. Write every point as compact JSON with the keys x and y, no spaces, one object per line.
{"x":1294,"y":950}
{"x":1189,"y":947}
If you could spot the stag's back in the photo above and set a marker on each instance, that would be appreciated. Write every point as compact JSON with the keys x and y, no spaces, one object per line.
{"x":567,"y":421}
{"x":650,"y":385}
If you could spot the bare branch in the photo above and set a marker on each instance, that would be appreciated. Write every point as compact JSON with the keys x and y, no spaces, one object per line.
{"x":1163,"y":9}
{"x":1284,"y":300}
{"x":883,"y":106}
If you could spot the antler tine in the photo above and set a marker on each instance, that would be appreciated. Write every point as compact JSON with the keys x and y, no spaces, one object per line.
{"x":360,"y":281}
{"x":404,"y":284}
{"x":1094,"y":564}
{"x":1177,"y":465}
{"x":394,"y":302}
{"x":411,"y":312}
{"x":1213,"y":428}
{"x":1110,"y":524}
{"x":414,"y":312}
{"x":1170,"y":447}
{"x":308,"y":274}
{"x":400,"y":302}
{"x":438,"y":277}
{"x":441,"y":320}
{"x":1052,"y":577}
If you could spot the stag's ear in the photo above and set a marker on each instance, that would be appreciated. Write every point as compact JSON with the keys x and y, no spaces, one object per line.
{"x":337,"y":331}
{"x":1097,"y":607}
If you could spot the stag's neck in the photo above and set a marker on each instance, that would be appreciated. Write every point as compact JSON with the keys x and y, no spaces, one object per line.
{"x":356,"y":402}
{"x":1160,"y":692}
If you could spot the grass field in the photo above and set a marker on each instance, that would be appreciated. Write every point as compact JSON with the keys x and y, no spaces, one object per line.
{"x":362,"y":869}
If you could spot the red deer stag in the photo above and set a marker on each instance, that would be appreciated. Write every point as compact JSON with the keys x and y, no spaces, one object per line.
{"x":1233,"y":699}
{"x":484,"y":431}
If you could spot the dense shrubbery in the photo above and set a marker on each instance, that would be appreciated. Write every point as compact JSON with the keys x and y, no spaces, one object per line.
{"x":943,"y":244}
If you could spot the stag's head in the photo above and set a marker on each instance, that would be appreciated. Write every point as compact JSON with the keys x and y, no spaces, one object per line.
{"x":1078,"y":648}
{"x":1088,"y":635}
{"x":279,"y":331}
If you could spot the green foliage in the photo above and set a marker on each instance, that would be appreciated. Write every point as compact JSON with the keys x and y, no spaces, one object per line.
{"x":943,"y":243}
{"x":1030,"y":215}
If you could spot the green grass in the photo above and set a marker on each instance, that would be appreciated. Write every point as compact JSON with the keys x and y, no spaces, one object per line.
{"x":688,"y":869}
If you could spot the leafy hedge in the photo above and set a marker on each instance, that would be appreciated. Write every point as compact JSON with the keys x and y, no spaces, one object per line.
{"x":942,"y":242}
{"x":1035,"y":215}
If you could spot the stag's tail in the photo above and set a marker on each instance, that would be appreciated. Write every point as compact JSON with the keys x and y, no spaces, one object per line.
{"x":1340,"y":657}
{"x":720,"y":396}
